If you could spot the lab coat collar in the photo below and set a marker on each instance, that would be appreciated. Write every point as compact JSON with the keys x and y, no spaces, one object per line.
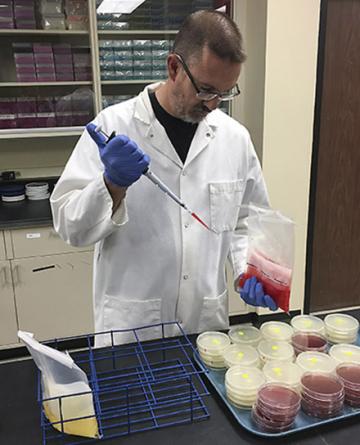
{"x":144,"y":112}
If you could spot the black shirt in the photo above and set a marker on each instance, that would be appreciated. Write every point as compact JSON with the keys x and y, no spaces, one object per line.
{"x":180,"y":133}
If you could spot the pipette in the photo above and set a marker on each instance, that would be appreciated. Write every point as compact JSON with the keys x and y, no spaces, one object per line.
{"x":158,"y":182}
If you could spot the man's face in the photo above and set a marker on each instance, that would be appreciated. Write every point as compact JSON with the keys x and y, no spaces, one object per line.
{"x":211,"y":74}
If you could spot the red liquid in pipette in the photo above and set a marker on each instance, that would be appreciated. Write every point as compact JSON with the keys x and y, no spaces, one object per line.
{"x":194,"y":215}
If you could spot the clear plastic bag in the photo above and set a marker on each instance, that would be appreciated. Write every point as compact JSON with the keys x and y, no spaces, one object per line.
{"x":60,"y":378}
{"x":270,"y":256}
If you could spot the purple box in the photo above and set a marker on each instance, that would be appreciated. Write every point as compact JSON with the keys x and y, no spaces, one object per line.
{"x":44,"y":59}
{"x":26,"y":120}
{"x":26,"y":77}
{"x":65,"y":77}
{"x":24,"y":59}
{"x":26,"y":105}
{"x":42,"y":48}
{"x":81,"y":118}
{"x":7,"y":24}
{"x":45,"y":104}
{"x":7,"y":105}
{"x":25,"y":69}
{"x":46,"y":77}
{"x":61,"y":48}
{"x":63,"y":59}
{"x":7,"y":121}
{"x":46,"y":120}
{"x":64,"y":119}
{"x":64,"y":68}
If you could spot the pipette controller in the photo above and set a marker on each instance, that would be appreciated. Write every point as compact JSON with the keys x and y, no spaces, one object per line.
{"x":159,"y":183}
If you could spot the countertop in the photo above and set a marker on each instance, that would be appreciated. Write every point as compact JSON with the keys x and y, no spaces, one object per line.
{"x":20,"y":423}
{"x":26,"y":213}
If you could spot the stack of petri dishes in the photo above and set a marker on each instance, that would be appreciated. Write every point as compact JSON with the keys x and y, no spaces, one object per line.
{"x":12,"y":192}
{"x":245,"y":335}
{"x":341,"y":328}
{"x":276,"y":407}
{"x":349,"y":374}
{"x":308,"y":323}
{"x":276,"y":330}
{"x":275,"y":350}
{"x":345,"y":353}
{"x":308,"y":341}
{"x":242,"y":385}
{"x":211,"y":346}
{"x":283,"y":372}
{"x":316,"y":362}
{"x":36,"y":191}
{"x":238,"y":354}
{"x":322,"y":394}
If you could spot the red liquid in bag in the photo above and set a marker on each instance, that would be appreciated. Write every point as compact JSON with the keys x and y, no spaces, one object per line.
{"x":279,"y":293}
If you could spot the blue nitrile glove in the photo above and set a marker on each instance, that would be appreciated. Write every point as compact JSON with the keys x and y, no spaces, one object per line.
{"x":123,"y":160}
{"x":253,"y":293}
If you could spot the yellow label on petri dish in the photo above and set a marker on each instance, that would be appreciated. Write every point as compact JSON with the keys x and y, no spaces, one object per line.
{"x":275,"y":329}
{"x":307,"y":323}
{"x":274,"y":347}
{"x":245,"y":376}
{"x":339,"y":321}
{"x":240,"y":355}
{"x":278,"y":371}
{"x":241,"y":333}
{"x":313,"y":360}
{"x":349,"y":353}
{"x":216,"y":341}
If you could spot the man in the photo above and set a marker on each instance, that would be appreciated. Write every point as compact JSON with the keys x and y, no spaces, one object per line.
{"x":153,"y":262}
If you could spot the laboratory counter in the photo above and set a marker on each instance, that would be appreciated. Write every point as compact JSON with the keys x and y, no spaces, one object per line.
{"x":20,"y":420}
{"x":26,"y":213}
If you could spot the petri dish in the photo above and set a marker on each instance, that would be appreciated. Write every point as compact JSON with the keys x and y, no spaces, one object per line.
{"x":275,"y":350}
{"x":345,"y":353}
{"x":349,"y":374}
{"x":212,"y":342}
{"x":308,"y":323}
{"x":239,"y":354}
{"x":316,"y":362}
{"x":242,"y":385}
{"x":308,"y":341}
{"x":341,"y":328}
{"x":276,"y":330}
{"x":247,"y":335}
{"x":283,"y":372}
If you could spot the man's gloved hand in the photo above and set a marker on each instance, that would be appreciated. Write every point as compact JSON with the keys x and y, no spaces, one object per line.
{"x":123,"y":160}
{"x":253,"y":293}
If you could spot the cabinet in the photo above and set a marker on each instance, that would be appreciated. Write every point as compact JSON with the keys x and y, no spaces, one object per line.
{"x":45,"y":286}
{"x":2,"y":245}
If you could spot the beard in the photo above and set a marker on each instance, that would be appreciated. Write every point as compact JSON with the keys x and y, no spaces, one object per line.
{"x":193,"y":116}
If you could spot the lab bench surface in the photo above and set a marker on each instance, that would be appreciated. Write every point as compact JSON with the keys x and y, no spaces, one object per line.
{"x":20,"y":420}
{"x":21,"y":214}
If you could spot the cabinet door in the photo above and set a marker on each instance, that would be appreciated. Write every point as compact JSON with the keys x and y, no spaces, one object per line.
{"x":54,"y":294}
{"x":8,"y":323}
{"x":2,"y":246}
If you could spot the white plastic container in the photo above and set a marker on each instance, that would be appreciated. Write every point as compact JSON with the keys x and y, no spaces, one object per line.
{"x":211,"y":346}
{"x":276,"y":330}
{"x":308,"y":323}
{"x":275,"y":350}
{"x":245,"y":335}
{"x":345,"y":353}
{"x":238,"y":354}
{"x":242,"y":385}
{"x":316,"y":362}
{"x":341,"y":328}
{"x":283,"y":372}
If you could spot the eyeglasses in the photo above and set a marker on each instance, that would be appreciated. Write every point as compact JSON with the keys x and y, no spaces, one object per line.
{"x":205,"y":95}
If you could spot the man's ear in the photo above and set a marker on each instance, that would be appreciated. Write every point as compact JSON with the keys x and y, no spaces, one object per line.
{"x":173,"y":66}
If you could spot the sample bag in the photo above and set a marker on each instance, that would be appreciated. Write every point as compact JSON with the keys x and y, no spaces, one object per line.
{"x":270,"y":256}
{"x":61,"y":377}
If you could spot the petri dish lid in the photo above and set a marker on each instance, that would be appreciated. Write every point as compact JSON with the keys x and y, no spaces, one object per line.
{"x":316,"y":362}
{"x":308,"y":323}
{"x":238,"y":354}
{"x":277,"y":330}
{"x":345,"y":353}
{"x":279,"y":396}
{"x":322,"y":386}
{"x":341,"y":324}
{"x":245,"y":335}
{"x":212,"y":341}
{"x":283,"y":372}
{"x":349,"y":373}
{"x":275,"y":350}
{"x":240,"y":378}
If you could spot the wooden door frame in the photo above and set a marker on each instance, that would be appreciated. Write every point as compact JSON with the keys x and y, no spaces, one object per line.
{"x":315,"y":153}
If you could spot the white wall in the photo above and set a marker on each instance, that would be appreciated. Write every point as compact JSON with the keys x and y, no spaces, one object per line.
{"x":288,"y":65}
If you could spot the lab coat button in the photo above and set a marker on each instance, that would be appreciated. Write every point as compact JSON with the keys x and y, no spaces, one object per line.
{"x":186,"y":225}
{"x":185,"y":277}
{"x":151,"y":135}
{"x":208,"y":135}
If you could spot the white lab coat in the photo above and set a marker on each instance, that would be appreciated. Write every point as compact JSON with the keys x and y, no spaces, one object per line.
{"x":153,"y":262}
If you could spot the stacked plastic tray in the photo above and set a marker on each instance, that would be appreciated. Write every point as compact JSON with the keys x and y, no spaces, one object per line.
{"x":136,"y":387}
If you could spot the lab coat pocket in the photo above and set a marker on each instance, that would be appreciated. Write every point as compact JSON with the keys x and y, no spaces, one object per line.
{"x":214,"y":314}
{"x":122,"y":313}
{"x":225,"y":201}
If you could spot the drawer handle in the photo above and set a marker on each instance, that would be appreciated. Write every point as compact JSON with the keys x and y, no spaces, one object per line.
{"x":40,"y":269}
{"x":4,"y":273}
